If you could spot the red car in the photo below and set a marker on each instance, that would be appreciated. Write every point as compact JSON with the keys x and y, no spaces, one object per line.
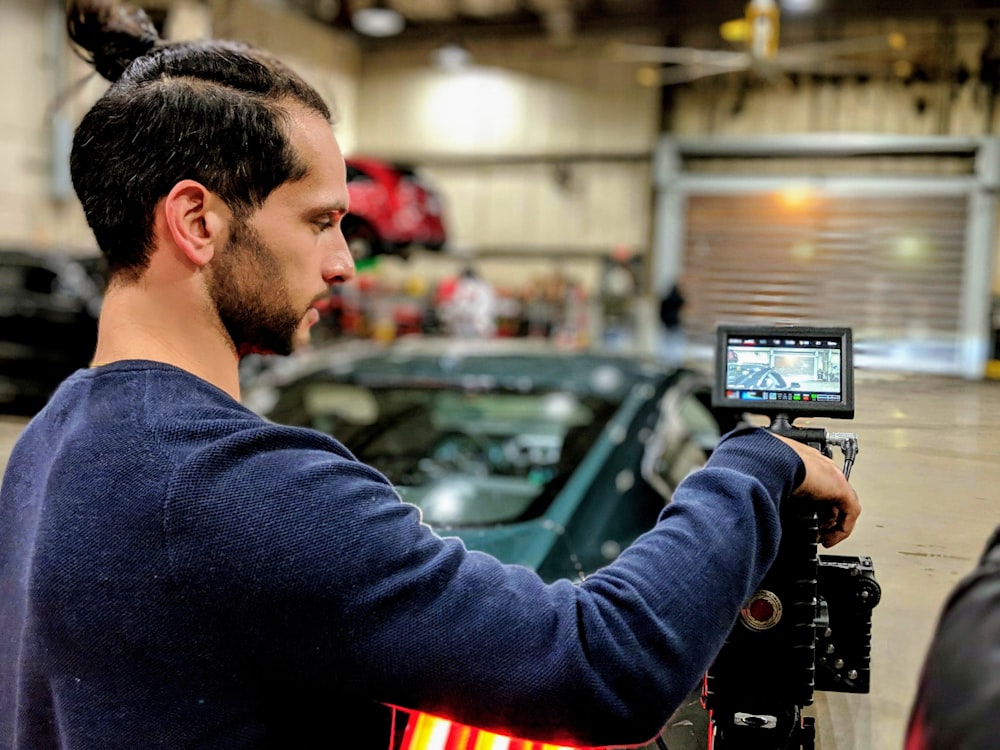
{"x":392,"y":208}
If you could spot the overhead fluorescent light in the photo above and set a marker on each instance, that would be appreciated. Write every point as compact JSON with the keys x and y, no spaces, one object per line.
{"x":377,"y":20}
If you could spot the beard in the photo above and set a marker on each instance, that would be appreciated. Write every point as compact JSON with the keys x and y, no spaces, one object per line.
{"x":248,"y":288}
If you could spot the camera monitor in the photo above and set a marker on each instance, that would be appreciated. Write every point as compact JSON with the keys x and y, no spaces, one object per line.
{"x":797,"y":371}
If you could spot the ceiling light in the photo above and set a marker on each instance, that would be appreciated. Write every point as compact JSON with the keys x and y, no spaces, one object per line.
{"x":452,"y":56}
{"x":377,"y":20}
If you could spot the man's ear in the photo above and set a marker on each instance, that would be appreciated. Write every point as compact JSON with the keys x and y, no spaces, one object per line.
{"x":197,"y":220}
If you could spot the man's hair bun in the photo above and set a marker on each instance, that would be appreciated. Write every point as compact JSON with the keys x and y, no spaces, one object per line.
{"x":113,"y":35}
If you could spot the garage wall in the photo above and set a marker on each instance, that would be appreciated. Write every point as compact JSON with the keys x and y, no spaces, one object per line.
{"x":580,"y":100}
{"x":540,"y":151}
{"x":518,"y":97}
{"x":536,"y":149}
{"x":942,"y":84}
{"x":889,"y":93}
{"x":25,"y":86}
{"x":46,"y":89}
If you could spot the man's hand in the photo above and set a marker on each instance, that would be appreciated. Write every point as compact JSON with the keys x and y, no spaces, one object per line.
{"x":826,"y":483}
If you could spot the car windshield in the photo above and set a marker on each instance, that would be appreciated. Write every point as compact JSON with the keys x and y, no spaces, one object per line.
{"x":465,"y":458}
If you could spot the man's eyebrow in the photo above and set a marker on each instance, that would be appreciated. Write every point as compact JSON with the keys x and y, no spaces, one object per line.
{"x":330,"y":208}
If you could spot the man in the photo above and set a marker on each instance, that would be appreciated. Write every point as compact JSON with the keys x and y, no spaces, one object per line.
{"x":178,"y":573}
{"x":957,"y":706}
{"x":672,"y":333}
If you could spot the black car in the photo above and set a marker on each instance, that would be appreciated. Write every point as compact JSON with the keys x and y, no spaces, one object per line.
{"x":49,"y":303}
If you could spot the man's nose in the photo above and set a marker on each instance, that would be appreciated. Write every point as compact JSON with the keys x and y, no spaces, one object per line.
{"x":340,"y":266}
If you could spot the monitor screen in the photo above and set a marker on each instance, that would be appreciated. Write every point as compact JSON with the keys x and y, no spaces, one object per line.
{"x":773,"y":370}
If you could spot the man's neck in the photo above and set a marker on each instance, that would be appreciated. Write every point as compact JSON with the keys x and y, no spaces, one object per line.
{"x":166,"y":323}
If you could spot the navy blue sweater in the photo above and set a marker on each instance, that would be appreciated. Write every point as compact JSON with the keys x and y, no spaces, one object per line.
{"x":177,"y":572}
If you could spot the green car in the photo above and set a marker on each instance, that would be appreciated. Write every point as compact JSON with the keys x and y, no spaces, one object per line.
{"x":557,"y":460}
{"x":551,"y":459}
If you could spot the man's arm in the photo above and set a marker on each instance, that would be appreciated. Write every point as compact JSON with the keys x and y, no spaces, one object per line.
{"x":373,"y":603}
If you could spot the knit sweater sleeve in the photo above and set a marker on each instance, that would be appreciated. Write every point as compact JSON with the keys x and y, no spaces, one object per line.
{"x":346,"y":588}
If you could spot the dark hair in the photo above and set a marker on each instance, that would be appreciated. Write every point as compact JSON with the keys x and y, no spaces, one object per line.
{"x":212,"y":111}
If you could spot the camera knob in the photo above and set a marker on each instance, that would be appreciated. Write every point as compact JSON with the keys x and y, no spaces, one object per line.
{"x":869,"y":592}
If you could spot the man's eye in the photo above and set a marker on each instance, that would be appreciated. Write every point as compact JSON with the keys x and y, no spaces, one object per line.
{"x":327,"y":221}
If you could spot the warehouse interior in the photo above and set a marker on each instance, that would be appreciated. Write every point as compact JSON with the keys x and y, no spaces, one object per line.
{"x":799,"y":162}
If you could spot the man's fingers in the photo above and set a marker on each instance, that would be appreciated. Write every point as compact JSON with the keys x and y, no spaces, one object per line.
{"x":839,"y":523}
{"x":826,"y":484}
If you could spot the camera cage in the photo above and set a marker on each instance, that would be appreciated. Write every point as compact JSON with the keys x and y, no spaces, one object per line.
{"x":749,"y":378}
{"x":808,"y":625}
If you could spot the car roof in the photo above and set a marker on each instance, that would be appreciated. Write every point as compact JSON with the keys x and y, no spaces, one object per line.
{"x":500,"y":364}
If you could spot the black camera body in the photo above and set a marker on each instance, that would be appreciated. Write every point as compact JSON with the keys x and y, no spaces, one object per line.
{"x":808,"y":625}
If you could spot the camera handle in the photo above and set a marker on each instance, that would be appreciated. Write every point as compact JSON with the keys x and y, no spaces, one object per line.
{"x":818,"y":438}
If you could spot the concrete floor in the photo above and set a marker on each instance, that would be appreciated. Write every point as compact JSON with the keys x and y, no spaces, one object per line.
{"x":927,"y":473}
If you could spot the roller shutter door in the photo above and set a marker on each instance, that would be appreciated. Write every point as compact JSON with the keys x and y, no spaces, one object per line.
{"x":889,"y":267}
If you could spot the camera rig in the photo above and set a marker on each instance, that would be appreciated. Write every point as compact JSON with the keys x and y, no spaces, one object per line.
{"x":808,"y":625}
